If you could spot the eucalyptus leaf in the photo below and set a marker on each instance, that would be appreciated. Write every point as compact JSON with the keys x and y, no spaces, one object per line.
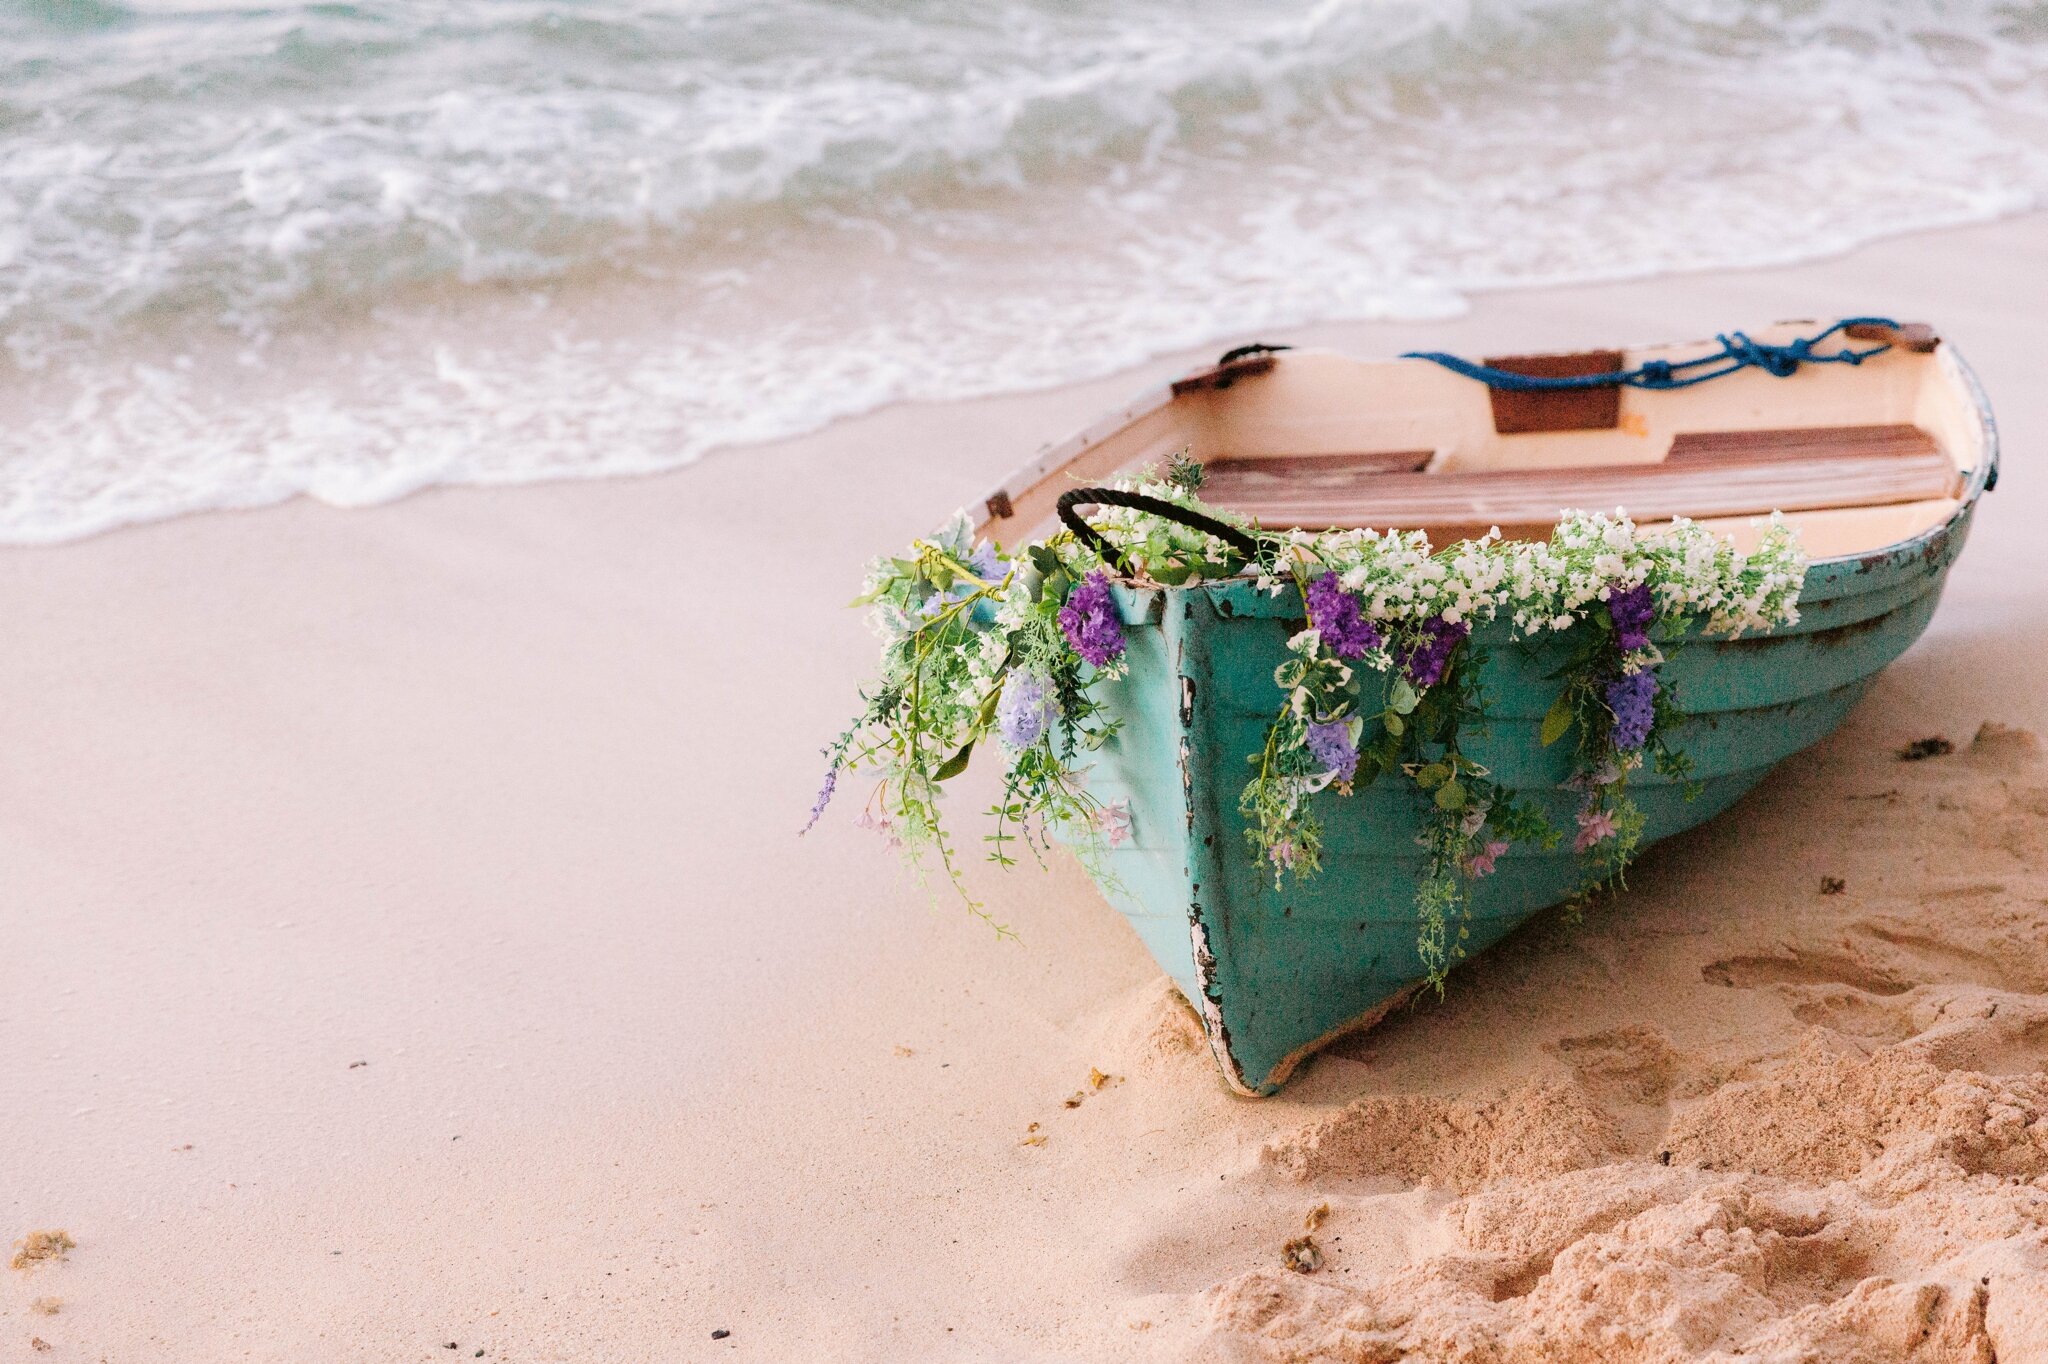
{"x":1558,"y":719}
{"x":988,"y":708}
{"x":1396,"y":726}
{"x":1401,"y":698}
{"x":954,"y":765}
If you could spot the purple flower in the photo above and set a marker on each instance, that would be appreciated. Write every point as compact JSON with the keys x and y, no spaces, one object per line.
{"x":1424,"y":659}
{"x":824,"y":797}
{"x":986,"y":563}
{"x":1632,"y":697}
{"x":1089,"y":620}
{"x":1024,"y":711}
{"x":1340,"y":619}
{"x":1631,"y":610}
{"x":1330,"y":744}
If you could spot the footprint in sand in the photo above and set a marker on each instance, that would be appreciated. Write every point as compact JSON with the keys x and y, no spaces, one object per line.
{"x":1877,"y":1193}
{"x":1936,"y":944}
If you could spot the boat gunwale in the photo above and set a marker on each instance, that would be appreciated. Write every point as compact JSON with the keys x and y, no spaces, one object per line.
{"x":1855,"y":567}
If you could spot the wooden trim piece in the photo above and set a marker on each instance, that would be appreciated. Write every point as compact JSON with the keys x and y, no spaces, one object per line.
{"x":1570,"y":409}
{"x":1223,"y":376}
{"x":1917,"y":337}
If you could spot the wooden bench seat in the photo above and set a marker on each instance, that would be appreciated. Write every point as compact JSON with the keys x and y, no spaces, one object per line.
{"x":1706,"y":474}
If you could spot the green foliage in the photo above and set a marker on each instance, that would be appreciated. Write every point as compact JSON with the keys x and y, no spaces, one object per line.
{"x":975,"y":661}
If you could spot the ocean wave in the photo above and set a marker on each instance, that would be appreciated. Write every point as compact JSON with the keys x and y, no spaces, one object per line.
{"x":838,"y":204}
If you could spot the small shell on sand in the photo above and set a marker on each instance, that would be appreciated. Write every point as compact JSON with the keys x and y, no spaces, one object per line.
{"x":1302,"y":1255}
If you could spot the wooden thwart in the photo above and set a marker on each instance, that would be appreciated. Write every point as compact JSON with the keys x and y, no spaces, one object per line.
{"x":1307,"y":474}
{"x":1734,"y":473}
{"x":1694,"y":448}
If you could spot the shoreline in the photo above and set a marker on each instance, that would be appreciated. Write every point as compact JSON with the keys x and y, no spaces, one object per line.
{"x":493,"y":789}
{"x":620,"y":314}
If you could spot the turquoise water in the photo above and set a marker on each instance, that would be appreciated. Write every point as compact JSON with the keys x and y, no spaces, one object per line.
{"x":353,"y":249}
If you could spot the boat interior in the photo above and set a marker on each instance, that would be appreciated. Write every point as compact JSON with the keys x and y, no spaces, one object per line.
{"x":1859,"y":457}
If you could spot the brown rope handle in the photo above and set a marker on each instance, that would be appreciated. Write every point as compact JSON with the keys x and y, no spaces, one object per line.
{"x":1246,"y":547}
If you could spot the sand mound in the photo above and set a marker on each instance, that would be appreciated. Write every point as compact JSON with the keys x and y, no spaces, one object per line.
{"x":1457,"y":1143}
{"x":1929,"y":1241}
{"x":2005,"y":745}
{"x":1828,"y":1144}
{"x":1831,"y":1116}
{"x":1152,"y":1027}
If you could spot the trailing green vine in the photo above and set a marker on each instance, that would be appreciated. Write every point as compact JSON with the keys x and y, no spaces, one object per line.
{"x":986,"y":650}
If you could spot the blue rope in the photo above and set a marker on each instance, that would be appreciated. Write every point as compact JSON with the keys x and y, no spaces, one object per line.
{"x":1738,"y":351}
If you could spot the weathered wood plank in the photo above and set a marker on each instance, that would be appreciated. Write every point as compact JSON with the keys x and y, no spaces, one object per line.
{"x":1822,"y":442}
{"x":1709,"y":474}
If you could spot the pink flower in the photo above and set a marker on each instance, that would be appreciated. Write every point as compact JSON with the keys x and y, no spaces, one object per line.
{"x":1594,"y":825}
{"x":883,"y":826}
{"x":1282,"y":853}
{"x":1482,"y":861}
{"x":1113,"y":821}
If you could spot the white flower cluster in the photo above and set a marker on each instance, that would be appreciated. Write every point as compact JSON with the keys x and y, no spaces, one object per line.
{"x":1396,"y":573}
{"x":1693,"y":574}
{"x":1146,"y":538}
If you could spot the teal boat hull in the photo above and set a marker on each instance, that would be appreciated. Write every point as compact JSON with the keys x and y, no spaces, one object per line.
{"x":1275,"y":973}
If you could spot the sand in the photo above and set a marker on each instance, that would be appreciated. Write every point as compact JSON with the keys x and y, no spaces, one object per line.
{"x":407,"y":944}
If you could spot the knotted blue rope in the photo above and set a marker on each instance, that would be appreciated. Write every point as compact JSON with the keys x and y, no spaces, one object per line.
{"x":1738,"y":351}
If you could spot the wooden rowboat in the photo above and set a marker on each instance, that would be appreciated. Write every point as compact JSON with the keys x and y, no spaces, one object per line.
{"x":1879,"y":465}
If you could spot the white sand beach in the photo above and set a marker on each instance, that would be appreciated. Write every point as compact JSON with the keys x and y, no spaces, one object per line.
{"x":409,"y":955}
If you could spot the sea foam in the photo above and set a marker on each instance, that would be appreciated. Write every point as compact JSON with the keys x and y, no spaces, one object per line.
{"x":351,"y":250}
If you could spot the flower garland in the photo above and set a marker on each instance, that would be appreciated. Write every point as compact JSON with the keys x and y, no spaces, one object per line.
{"x":1383,"y":679}
{"x":981,"y":648}
{"x":1627,"y":586}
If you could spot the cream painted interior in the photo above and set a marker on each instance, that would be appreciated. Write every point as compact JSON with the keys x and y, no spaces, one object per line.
{"x":1322,"y":403}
